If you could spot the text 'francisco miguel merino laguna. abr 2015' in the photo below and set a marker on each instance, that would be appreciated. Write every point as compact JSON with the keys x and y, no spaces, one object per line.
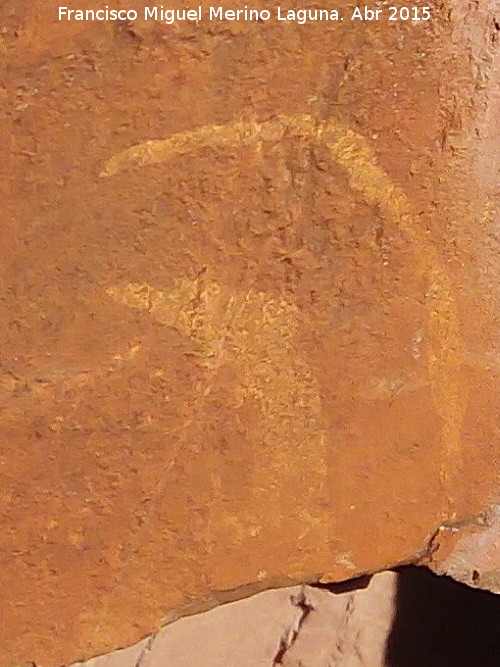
{"x":168,"y":15}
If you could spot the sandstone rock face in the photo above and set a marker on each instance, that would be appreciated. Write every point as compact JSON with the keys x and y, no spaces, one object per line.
{"x":293,"y":627}
{"x":470,"y":552}
{"x":249,"y":316}
{"x":405,"y":619}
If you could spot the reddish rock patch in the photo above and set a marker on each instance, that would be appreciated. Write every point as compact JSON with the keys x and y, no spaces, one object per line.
{"x":261,"y":350}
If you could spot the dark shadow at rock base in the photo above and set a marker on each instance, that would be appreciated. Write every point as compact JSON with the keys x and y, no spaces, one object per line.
{"x":441,"y":623}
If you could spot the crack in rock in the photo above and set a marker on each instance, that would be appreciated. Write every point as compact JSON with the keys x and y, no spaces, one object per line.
{"x":290,"y":636}
{"x":146,"y":650}
{"x":468,"y":550}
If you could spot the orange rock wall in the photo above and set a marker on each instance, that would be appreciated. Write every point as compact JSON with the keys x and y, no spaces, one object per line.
{"x":249,"y":316}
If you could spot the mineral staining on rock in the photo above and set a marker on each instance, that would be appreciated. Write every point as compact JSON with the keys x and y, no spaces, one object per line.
{"x":355,"y":155}
{"x":255,"y":335}
{"x":237,"y":360}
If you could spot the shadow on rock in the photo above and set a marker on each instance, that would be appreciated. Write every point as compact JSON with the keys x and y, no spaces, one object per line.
{"x":441,"y":623}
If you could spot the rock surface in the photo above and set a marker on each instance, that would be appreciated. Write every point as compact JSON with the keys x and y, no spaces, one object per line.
{"x":249,"y":312}
{"x":470,"y":552}
{"x":293,"y":627}
{"x":409,"y":619}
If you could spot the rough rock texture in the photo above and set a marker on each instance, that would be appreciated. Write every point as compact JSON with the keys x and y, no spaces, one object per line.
{"x":470,"y":552}
{"x":249,"y":309}
{"x":409,"y":619}
{"x":293,"y":627}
